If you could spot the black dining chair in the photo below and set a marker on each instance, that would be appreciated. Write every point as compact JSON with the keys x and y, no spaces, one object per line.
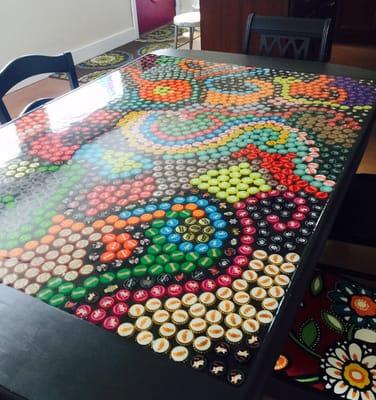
{"x":288,"y":37}
{"x":25,"y":67}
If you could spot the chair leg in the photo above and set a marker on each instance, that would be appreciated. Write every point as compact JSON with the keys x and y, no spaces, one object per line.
{"x":176,"y":36}
{"x":191,"y":31}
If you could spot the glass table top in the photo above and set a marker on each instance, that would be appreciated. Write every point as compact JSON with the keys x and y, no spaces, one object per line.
{"x":170,"y":202}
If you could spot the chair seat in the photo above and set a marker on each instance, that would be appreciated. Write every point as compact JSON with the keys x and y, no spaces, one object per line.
{"x":187,"y":20}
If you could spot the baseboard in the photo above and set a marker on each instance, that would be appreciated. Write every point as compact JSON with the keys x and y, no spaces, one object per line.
{"x":90,"y":50}
{"x":101,"y":46}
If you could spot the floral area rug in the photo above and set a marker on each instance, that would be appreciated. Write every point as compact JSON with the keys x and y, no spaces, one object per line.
{"x":332,"y":346}
{"x":160,"y":38}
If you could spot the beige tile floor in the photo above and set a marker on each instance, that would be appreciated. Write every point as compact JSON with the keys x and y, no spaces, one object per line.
{"x":339,"y":254}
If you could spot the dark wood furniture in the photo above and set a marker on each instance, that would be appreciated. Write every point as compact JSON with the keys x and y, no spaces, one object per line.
{"x":298,"y":38}
{"x":48,"y":354}
{"x":356,"y":21}
{"x":223,"y":21}
{"x":25,"y":67}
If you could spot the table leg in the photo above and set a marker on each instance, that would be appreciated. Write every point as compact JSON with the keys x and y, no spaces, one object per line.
{"x":191,"y":31}
{"x":176,"y":36}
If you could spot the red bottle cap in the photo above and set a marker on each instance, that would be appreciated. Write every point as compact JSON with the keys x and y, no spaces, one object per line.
{"x":272,"y":218}
{"x":246,"y":221}
{"x":234,"y":271}
{"x":97,"y":316}
{"x":83,"y":311}
{"x":157,"y":291}
{"x":249,"y":230}
{"x":208,"y":285}
{"x":111,"y":323}
{"x":140,"y":296}
{"x":174,"y":290}
{"x":192,"y":286}
{"x":245,"y":250}
{"x":293,"y":224}
{"x":123,"y":295}
{"x":241,"y":261}
{"x":224,"y":280}
{"x":279,"y":227}
{"x":241,"y":213}
{"x":120,"y":309}
{"x":106,"y":302}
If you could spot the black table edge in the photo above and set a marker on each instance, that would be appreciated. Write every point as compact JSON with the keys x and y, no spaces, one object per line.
{"x":284,"y":64}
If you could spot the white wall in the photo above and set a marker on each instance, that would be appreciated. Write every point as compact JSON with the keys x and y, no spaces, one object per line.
{"x":182,"y":6}
{"x":85,"y":27}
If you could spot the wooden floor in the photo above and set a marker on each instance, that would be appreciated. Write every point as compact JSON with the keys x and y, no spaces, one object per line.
{"x":339,"y":254}
{"x":356,"y":56}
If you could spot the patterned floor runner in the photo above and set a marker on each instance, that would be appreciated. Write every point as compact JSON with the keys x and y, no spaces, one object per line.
{"x":332,"y":346}
{"x":160,"y":38}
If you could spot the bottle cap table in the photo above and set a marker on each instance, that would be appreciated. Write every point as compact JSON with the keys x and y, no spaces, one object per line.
{"x":181,"y":204}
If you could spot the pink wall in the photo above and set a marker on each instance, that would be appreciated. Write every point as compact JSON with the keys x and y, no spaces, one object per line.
{"x":154,"y":13}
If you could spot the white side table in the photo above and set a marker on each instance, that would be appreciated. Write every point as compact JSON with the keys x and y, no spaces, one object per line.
{"x":189,"y":20}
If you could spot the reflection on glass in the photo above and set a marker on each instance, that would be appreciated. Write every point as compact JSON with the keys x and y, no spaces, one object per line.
{"x":77,"y":105}
{"x":9,"y":144}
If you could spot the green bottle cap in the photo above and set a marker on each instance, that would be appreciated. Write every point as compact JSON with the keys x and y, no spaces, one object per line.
{"x":91,"y":282}
{"x":171,"y":214}
{"x":192,"y":256}
{"x":185,"y":214}
{"x":214,"y":253}
{"x":147,"y":259}
{"x":205,"y":262}
{"x":66,"y":287}
{"x":151,"y":232}
{"x":169,"y":248}
{"x":162,"y":259}
{"x":107,"y":277}
{"x":154,"y":249}
{"x":177,"y":256}
{"x":78,"y":293}
{"x":140,"y":270}
{"x":159,"y":239}
{"x":158,"y":223}
{"x":188,"y":267}
{"x":172,"y":268}
{"x":57,"y":300}
{"x":45,"y":294}
{"x":155,"y":269}
{"x":55,"y":282}
{"x":123,"y":273}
